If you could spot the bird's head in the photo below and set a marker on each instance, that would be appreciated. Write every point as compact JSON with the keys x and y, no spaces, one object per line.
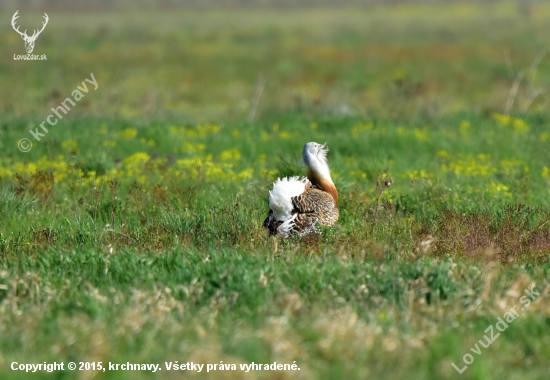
{"x":315,"y":154}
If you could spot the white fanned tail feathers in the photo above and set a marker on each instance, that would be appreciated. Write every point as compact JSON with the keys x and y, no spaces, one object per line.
{"x":280,"y":198}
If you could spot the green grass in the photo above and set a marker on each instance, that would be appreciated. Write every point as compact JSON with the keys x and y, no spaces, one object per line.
{"x":132,"y":232}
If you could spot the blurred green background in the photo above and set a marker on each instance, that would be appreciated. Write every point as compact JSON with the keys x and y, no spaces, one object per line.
{"x":213,"y":62}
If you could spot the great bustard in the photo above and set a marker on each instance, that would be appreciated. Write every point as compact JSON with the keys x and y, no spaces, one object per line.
{"x":299,"y":204}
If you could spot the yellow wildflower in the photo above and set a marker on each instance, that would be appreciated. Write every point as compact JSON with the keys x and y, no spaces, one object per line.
{"x":496,"y":189}
{"x":464,"y":129}
{"x":269,"y":174}
{"x":69,"y":145}
{"x":501,"y":119}
{"x":245,"y":174}
{"x":361,"y":127}
{"x":193,"y":148}
{"x":358,"y":173}
{"x":127,"y":134}
{"x":520,"y":126}
{"x":284,"y":135}
{"x":471,"y":166}
{"x":509,"y":166}
{"x":417,"y":174}
{"x":5,"y":172}
{"x":230,"y":155}
{"x":420,"y":134}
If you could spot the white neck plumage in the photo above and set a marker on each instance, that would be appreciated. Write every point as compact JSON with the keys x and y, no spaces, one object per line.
{"x":318,"y":171}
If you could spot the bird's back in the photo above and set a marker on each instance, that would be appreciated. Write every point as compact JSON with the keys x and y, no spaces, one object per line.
{"x":319,"y":204}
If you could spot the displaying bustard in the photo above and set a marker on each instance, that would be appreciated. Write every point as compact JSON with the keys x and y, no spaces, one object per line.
{"x":300,"y":204}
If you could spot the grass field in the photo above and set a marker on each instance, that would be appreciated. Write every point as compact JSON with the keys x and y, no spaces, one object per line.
{"x":132,"y":231}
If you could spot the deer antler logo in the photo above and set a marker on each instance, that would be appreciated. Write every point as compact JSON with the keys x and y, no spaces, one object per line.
{"x":29,"y":40}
